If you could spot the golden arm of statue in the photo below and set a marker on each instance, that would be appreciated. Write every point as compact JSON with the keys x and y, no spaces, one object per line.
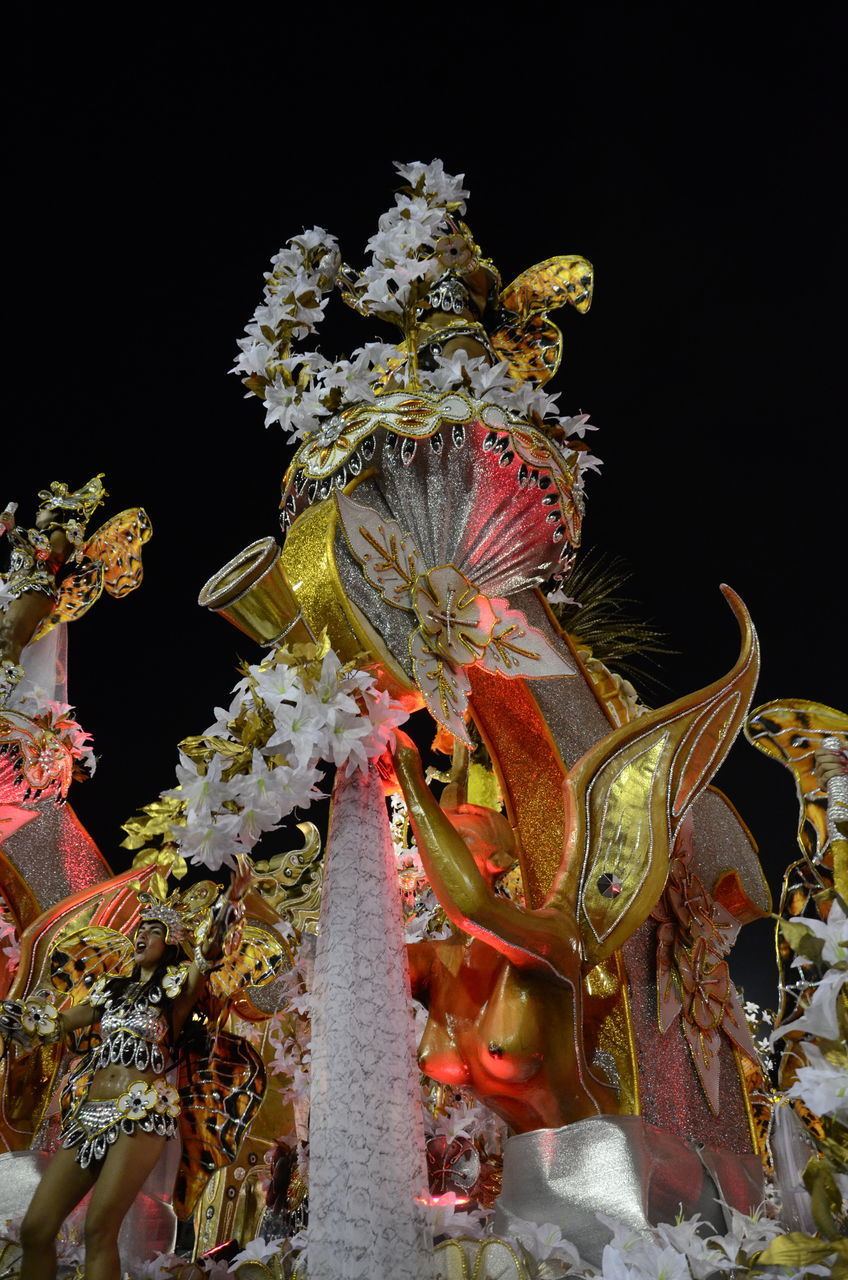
{"x":545,"y":939}
{"x":626,"y":798}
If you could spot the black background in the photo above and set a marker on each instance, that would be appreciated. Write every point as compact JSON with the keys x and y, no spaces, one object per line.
{"x":691,"y":152}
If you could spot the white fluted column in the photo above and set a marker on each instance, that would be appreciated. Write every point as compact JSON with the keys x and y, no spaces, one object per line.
{"x":366,"y":1141}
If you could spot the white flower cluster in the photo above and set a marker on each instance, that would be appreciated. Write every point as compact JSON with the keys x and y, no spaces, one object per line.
{"x":822,"y":1084}
{"x":684,"y":1250}
{"x":306,"y":387}
{"x":688,"y":1249}
{"x":759,"y":1023}
{"x":295,"y":387}
{"x":293,"y":300}
{"x":300,"y":389}
{"x":495,"y":384}
{"x":401,"y":251}
{"x":285,"y":721}
{"x":291,"y":1035}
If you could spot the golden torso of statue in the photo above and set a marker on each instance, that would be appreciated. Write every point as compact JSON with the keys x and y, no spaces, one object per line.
{"x":502,"y":1032}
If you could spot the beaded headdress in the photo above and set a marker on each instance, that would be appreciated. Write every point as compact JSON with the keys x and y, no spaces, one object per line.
{"x":182,"y":914}
{"x":163,"y":914}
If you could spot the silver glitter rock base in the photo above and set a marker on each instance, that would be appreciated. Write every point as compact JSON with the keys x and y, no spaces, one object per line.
{"x":622,"y":1167}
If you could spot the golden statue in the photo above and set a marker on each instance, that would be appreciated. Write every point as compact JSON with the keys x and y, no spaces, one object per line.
{"x":508,"y":1014}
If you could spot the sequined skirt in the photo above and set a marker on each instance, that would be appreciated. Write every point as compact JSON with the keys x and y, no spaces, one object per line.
{"x":151,"y":1106}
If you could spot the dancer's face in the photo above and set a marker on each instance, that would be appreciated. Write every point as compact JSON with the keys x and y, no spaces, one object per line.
{"x":149,"y":944}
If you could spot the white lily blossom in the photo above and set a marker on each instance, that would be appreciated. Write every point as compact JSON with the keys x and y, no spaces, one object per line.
{"x":476,"y":373}
{"x":202,"y":792}
{"x":543,"y":1241}
{"x":257,"y":1250}
{"x":833,"y":932}
{"x":213,"y":844}
{"x":820,"y":1017}
{"x":447,"y":1219}
{"x":651,"y":1262}
{"x":163,"y":1267}
{"x":821,"y":1085}
{"x":445,"y":187}
{"x":747,"y":1234}
{"x":557,"y":596}
{"x":688,"y":1238}
{"x":274,"y":685}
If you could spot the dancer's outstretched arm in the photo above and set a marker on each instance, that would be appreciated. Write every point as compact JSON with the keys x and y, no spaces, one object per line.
{"x":210,"y":951}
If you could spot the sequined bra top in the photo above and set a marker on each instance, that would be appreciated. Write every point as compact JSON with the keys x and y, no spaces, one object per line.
{"x":134,"y":1029}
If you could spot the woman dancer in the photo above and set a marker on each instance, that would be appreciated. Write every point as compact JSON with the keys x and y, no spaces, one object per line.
{"x":122,"y":1109}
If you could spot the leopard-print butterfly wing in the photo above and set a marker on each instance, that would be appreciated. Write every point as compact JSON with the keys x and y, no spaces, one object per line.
{"x":81,"y":956}
{"x":221,"y":1084}
{"x":110,"y":560}
{"x":80,"y":959}
{"x":222,"y":1078}
{"x":117,"y":546}
{"x":532,"y":347}
{"x":549,"y":285}
{"x":791,"y":730}
{"x":76,"y":594}
{"x":80,"y":962}
{"x":524,"y":337}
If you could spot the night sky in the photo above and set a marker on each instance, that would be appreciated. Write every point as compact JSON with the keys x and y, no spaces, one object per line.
{"x":691,"y":154}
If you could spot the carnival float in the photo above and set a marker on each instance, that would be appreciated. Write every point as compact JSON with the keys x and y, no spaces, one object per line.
{"x":575,"y":1087}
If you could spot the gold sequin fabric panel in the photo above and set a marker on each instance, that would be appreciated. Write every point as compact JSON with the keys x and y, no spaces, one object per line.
{"x":530,"y":773}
